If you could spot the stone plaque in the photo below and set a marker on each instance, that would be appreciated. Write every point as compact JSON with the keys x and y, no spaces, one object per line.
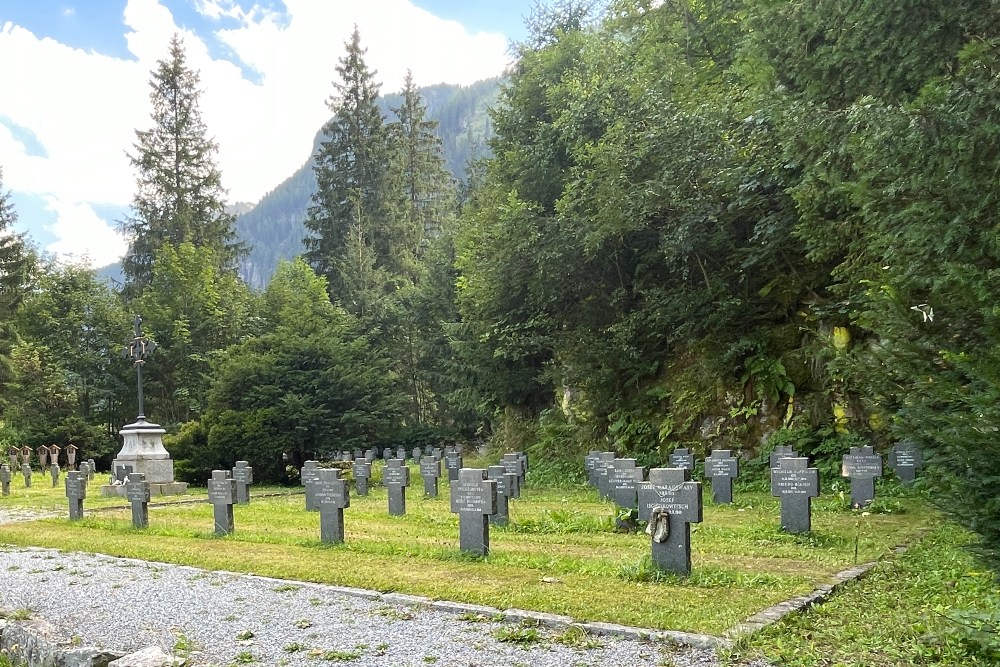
{"x":906,"y":460}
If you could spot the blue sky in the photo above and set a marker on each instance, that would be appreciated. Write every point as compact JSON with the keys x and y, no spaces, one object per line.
{"x":75,"y":74}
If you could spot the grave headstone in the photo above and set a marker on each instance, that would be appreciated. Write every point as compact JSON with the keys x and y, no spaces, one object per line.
{"x":505,"y":483}
{"x":332,"y":495}
{"x":602,"y":467}
{"x":358,"y":454}
{"x":682,"y":458}
{"x":137,"y":494}
{"x":589,"y":462}
{"x":309,"y":474}
{"x":243,"y":474}
{"x":93,"y":468}
{"x":43,"y":457}
{"x":76,"y":491}
{"x":222,"y":495}
{"x":416,"y":454}
{"x":670,"y":502}
{"x":5,"y":479}
{"x":722,"y":468}
{"x":370,"y":455}
{"x":71,"y":451}
{"x":623,"y":479}
{"x":54,"y":454}
{"x":401,"y":454}
{"x":362,"y":470}
{"x":452,"y":463}
{"x":396,"y":477}
{"x":26,"y":471}
{"x":514,"y":465}
{"x":430,"y":471}
{"x":782,"y":452}
{"x":796,"y":484}
{"x":862,"y":466}
{"x":437,"y":453}
{"x":905,"y":459}
{"x":54,"y":471}
{"x":474,"y":499}
{"x":386,"y":454}
{"x":85,"y":469}
{"x":346,"y":456}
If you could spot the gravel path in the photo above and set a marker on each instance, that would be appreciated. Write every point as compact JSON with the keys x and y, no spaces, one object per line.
{"x":218,"y":618}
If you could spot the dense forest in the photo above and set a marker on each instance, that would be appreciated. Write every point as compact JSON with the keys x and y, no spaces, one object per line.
{"x":712,"y":223}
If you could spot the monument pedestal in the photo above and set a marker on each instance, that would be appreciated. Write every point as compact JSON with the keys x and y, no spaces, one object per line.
{"x":143,"y":452}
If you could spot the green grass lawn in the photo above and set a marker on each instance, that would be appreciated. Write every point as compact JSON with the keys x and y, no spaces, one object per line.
{"x":560,"y":554}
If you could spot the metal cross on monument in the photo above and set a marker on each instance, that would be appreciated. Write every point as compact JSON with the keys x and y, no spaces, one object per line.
{"x":137,"y":350}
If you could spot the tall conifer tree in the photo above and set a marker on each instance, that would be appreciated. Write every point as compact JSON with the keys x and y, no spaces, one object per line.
{"x":179,"y":195}
{"x":15,"y":263}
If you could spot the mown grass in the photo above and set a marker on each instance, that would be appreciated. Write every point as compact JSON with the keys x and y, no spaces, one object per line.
{"x":559,"y":555}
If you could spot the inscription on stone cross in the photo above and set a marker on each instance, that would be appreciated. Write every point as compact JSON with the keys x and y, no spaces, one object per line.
{"x":601,"y":472}
{"x":243,"y":474}
{"x":516,"y":466}
{"x":505,"y":483}
{"x":362,"y":469}
{"x":452,"y":463}
{"x":670,"y":502}
{"x":722,"y":468}
{"x":862,"y":466}
{"x":906,"y":460}
{"x":333,"y":495}
{"x":430,"y":472}
{"x":137,"y":494}
{"x":222,"y":495}
{"x":26,"y":471}
{"x":76,"y":491}
{"x":5,"y":479}
{"x":309,"y":474}
{"x":396,"y":477}
{"x":682,"y":458}
{"x":624,"y":478}
{"x":474,"y":499}
{"x":796,"y":484}
{"x":588,"y":465}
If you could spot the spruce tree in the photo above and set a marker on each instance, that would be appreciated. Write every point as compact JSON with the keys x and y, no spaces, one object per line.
{"x":179,"y":195}
{"x":15,"y":265}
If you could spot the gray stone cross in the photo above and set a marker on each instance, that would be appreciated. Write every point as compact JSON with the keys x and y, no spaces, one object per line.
{"x":93,"y":468}
{"x":796,"y":484}
{"x":672,"y":491}
{"x":430,"y":471}
{"x":76,"y":491}
{"x":362,"y":469}
{"x":516,"y":466}
{"x":332,"y":495}
{"x":396,"y":477}
{"x":588,"y":465}
{"x":602,"y":466}
{"x":474,"y":499}
{"x":243,"y":474}
{"x":55,"y":471}
{"x":222,"y":495}
{"x":505,"y":484}
{"x":308,"y":475}
{"x":26,"y":471}
{"x":682,"y":458}
{"x":452,"y":463}
{"x":623,"y":479}
{"x":722,"y":468}
{"x":905,"y":459}
{"x":137,"y":493}
{"x":5,"y":479}
{"x":862,"y":466}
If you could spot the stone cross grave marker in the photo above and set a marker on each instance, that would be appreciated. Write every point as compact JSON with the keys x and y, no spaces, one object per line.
{"x":333,"y":495}
{"x":54,"y":454}
{"x":26,"y":471}
{"x":670,"y":502}
{"x":401,"y":454}
{"x":514,"y":465}
{"x":782,"y":452}
{"x":396,"y":477}
{"x":505,"y":484}
{"x":430,"y":471}
{"x":602,"y":469}
{"x":370,"y":455}
{"x":452,"y":463}
{"x":357,"y":454}
{"x":43,"y":457}
{"x":93,"y":468}
{"x":588,"y":464}
{"x":71,"y":451}
{"x":862,"y":466}
{"x":437,"y":453}
{"x":386,"y":454}
{"x":362,"y":469}
{"x":55,"y":472}
{"x":796,"y":484}
{"x":416,"y":454}
{"x":84,"y":467}
{"x":5,"y":479}
{"x":682,"y":458}
{"x":722,"y":468}
{"x":474,"y":499}
{"x":76,"y":491}
{"x":624,"y":478}
{"x":137,"y":493}
{"x":222,"y":495}
{"x":243,"y":474}
{"x":309,"y":474}
{"x":905,"y":459}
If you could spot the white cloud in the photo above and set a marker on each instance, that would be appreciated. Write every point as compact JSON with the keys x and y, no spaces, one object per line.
{"x":82,"y":233}
{"x":84,"y":107}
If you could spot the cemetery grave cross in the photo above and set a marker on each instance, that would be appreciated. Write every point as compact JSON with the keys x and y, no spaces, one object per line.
{"x":905,"y":459}
{"x":862,"y":466}
{"x":362,"y":469}
{"x":5,"y":479}
{"x":76,"y":491}
{"x":670,"y":492}
{"x":243,"y":474}
{"x":682,"y":458}
{"x":453,"y":463}
{"x":55,"y":471}
{"x":796,"y":484}
{"x":722,"y":468}
{"x":515,"y":465}
{"x":430,"y":471}
{"x":623,"y":479}
{"x":474,"y":499}
{"x":26,"y":471}
{"x":137,"y":493}
{"x":602,"y":468}
{"x":93,"y":467}
{"x":222,"y":495}
{"x":333,"y":495}
{"x":396,"y":478}
{"x":505,"y":483}
{"x":401,"y":454}
{"x":309,"y":474}
{"x":589,"y":462}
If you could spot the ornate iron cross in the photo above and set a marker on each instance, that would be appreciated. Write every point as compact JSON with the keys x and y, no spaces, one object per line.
{"x":137,"y":350}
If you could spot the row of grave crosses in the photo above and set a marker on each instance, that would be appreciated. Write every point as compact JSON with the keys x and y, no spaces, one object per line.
{"x":86,"y":468}
{"x":47,"y":455}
